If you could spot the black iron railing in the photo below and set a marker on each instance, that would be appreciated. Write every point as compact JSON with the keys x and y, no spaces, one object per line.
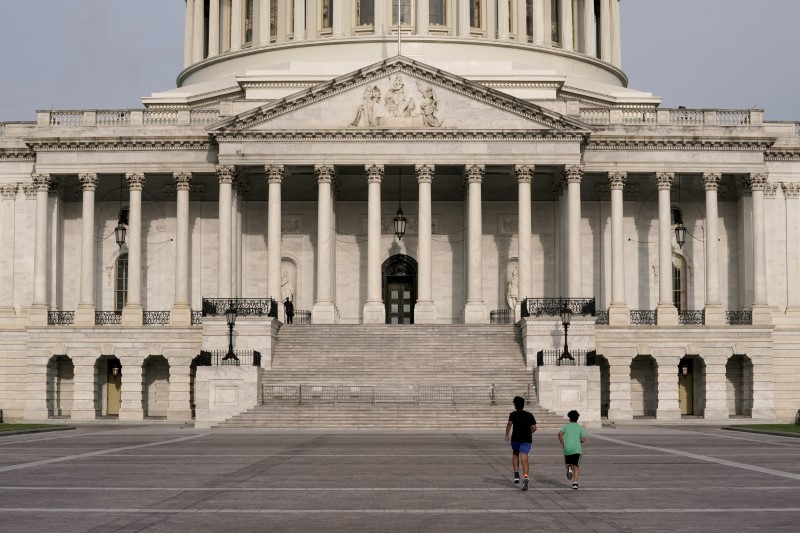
{"x":243,"y":306}
{"x":643,"y":317}
{"x":575,"y":358}
{"x":554,"y":306}
{"x":222,"y":358}
{"x":60,"y":318}
{"x":108,"y":318}
{"x":501,"y":316}
{"x":197,"y":318}
{"x":692,"y":317}
{"x":152,"y":318}
{"x":739,"y":318}
{"x":602,"y":318}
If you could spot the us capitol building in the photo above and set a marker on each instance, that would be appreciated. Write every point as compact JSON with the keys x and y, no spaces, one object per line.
{"x":476,"y":176}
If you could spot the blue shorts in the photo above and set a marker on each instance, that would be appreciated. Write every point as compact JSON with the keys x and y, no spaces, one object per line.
{"x":521,"y":447}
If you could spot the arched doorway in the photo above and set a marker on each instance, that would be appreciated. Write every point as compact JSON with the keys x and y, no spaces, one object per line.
{"x":605,"y":385}
{"x":739,"y":385}
{"x":108,"y":385}
{"x":692,"y":385}
{"x":60,"y":378}
{"x":202,"y":359}
{"x":156,"y":387}
{"x":399,"y":274}
{"x":644,"y":386}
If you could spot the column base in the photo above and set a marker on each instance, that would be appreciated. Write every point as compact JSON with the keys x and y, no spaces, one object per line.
{"x":180,"y":315}
{"x":762,"y":315}
{"x":475,"y":313}
{"x":374,"y":313}
{"x":619,"y":315}
{"x":425,"y":313}
{"x":132,"y":315}
{"x":323,"y":313}
{"x":714,"y":315}
{"x":666,"y":315}
{"x":84,"y":316}
{"x":37,"y":315}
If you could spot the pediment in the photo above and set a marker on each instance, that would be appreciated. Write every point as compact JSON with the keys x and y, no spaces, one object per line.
{"x":398,"y":95}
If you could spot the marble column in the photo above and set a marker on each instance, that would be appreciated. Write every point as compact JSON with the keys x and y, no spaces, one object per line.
{"x":503,"y":20}
{"x":761,"y":311}
{"x":132,"y":312}
{"x":714,"y":313}
{"x":274,"y":255}
{"x":618,"y":312}
{"x":539,"y":23}
{"x":791,"y":191}
{"x":606,"y":53}
{"x":198,"y":33}
{"x":84,"y":314}
{"x":265,"y":22}
{"x":475,"y":309}
{"x":667,"y":372}
{"x":8,"y":194}
{"x":462,"y":19}
{"x":374,"y":310}
{"x":225,"y":175}
{"x":574,"y":175}
{"x":300,"y":19}
{"x":181,"y":314}
{"x":324,"y":311}
{"x":423,"y":17}
{"x":188,"y":33}
{"x":237,"y":25}
{"x":522,"y":21}
{"x":38,"y":312}
{"x":425,"y":310}
{"x":524,"y":177}
{"x":667,"y":313}
{"x":589,"y":29}
{"x":131,"y":388}
{"x":213,"y":28}
{"x":339,"y":16}
{"x":616,"y":35}
{"x":565,"y":25}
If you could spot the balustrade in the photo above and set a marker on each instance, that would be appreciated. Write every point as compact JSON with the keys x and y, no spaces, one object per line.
{"x":686,"y":117}
{"x":554,"y":306}
{"x":60,"y":318}
{"x":160,"y":118}
{"x":68,"y":119}
{"x":243,"y":306}
{"x":596,"y":116}
{"x":120,"y":117}
{"x":643,"y":317}
{"x":576,"y":358}
{"x":739,"y":318}
{"x":204,"y":117}
{"x":634,"y":116}
{"x":691,"y":317}
{"x":220,"y":358}
{"x":105,"y":318}
{"x":156,"y":318}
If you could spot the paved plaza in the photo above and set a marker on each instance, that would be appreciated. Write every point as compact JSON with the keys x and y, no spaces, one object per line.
{"x":160,"y":478}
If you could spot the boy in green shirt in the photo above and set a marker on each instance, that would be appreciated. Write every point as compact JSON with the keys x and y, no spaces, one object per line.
{"x":571,"y":437}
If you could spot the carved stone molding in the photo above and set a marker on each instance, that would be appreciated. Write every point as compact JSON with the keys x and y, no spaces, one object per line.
{"x":616,"y":180}
{"x":711,"y":180}
{"x":678,"y":144}
{"x":274,"y":173}
{"x":135,"y":180}
{"x":424,"y":173}
{"x":324,"y":173}
{"x":88,"y":181}
{"x":573,"y":173}
{"x":121,"y":144}
{"x":226,"y":174}
{"x":474,"y":173}
{"x":507,"y":225}
{"x":758,"y":181}
{"x":9,"y":192}
{"x":183,"y":181}
{"x":41,"y":182}
{"x":30,"y":190}
{"x":770,"y":190}
{"x":524,"y":173}
{"x":791,"y":190}
{"x":292,"y":225}
{"x":374,"y":173}
{"x":664,"y":180}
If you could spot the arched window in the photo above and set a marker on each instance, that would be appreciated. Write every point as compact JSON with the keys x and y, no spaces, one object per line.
{"x":679,"y":282}
{"x":121,"y":282}
{"x":475,"y":13}
{"x":248,"y":21}
{"x":365,"y":12}
{"x":437,"y":12}
{"x":405,"y":12}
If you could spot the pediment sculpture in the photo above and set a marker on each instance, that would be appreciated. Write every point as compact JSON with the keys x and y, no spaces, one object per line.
{"x":397,"y":106}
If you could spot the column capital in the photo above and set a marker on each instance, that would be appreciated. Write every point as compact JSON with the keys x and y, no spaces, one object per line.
{"x":30,"y":190}
{"x":274,"y":173}
{"x":41,"y":182}
{"x":524,"y":173}
{"x":183,"y":180}
{"x":791,"y":190}
{"x":135,"y":180}
{"x":758,"y":181}
{"x":374,"y":173}
{"x":88,"y":181}
{"x":474,"y":173}
{"x":9,"y":192}
{"x":711,"y":180}
{"x":664,"y":180}
{"x":425,"y":173}
{"x":770,"y":190}
{"x":573,"y":173}
{"x":226,"y":174}
{"x":325,"y":173}
{"x":616,"y":180}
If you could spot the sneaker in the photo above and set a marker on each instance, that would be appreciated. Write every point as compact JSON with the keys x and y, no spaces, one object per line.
{"x":569,"y":471}
{"x":525,"y":484}
{"x":516,"y":479}
{"x":575,"y":485}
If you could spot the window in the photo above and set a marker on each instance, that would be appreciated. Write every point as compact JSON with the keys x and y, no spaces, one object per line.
{"x":248,"y":21}
{"x":554,"y":33}
{"x":121,"y":283}
{"x":405,"y":12}
{"x":327,"y":14}
{"x":529,"y":17}
{"x":437,"y":12}
{"x":679,"y":282}
{"x":475,"y":13}
{"x":365,"y":12}
{"x":273,"y":19}
{"x":676,"y":215}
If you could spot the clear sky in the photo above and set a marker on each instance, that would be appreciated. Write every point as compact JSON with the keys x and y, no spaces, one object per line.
{"x":74,"y":54}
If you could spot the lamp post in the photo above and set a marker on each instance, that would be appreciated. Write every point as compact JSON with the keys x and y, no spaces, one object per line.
{"x":230,"y":316}
{"x":566,"y":317}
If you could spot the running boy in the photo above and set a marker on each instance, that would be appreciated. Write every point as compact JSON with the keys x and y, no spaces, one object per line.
{"x":524,"y":425}
{"x":571,"y":436}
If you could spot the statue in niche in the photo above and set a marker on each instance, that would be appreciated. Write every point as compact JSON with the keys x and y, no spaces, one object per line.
{"x":366,"y":111}
{"x":428,"y":107}
{"x":287,"y":289}
{"x":397,"y":104}
{"x":512,"y":289}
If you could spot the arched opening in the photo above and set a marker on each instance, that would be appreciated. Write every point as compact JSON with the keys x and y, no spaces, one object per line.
{"x":399,"y":274}
{"x":605,"y":385}
{"x":692,"y":386}
{"x":107,"y":386}
{"x":644,"y":386}
{"x":203,"y":359}
{"x":156,"y":387}
{"x":739,"y":385}
{"x":60,"y":379}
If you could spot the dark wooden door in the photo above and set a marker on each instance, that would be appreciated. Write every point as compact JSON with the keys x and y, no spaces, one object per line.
{"x":399,"y":300}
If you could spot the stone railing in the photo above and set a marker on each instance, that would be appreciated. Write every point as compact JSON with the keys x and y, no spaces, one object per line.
{"x":126,"y":117}
{"x":204,"y":116}
{"x":596,"y":116}
{"x":2,"y":128}
{"x":120,"y":117}
{"x":160,"y":118}
{"x":673,"y":117}
{"x":635,"y":116}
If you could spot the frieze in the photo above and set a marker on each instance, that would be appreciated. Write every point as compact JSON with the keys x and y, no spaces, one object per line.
{"x":679,"y":144}
{"x":378,"y":135}
{"x":17,"y":155}
{"x":120,"y":145}
{"x":397,"y":106}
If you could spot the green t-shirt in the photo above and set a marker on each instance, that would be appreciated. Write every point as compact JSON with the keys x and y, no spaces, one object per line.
{"x":573,"y":433}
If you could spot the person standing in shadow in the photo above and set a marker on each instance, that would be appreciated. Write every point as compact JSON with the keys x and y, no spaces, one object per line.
{"x":288,"y":309}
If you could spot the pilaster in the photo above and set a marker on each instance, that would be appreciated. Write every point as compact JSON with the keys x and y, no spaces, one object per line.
{"x":8,"y":195}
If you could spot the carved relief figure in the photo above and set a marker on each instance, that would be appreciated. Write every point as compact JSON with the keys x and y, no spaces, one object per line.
{"x":397,"y":104}
{"x":287,"y":289}
{"x":428,"y":107}
{"x":366,"y":111}
{"x":512,"y":289}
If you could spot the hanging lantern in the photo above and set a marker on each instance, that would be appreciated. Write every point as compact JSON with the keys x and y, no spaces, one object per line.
{"x":400,"y":224}
{"x":119,"y":233}
{"x":680,"y":234}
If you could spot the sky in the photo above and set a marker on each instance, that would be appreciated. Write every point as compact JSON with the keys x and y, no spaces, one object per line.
{"x":76,"y":54}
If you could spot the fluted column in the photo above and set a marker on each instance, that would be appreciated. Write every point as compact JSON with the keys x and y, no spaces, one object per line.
{"x":132,"y":312}
{"x":274,"y":179}
{"x":475,"y":309}
{"x":225,"y":175}
{"x":616,"y":34}
{"x":84,"y":314}
{"x":462,"y":17}
{"x":503,"y":20}
{"x":188,"y":33}
{"x":425,"y":310}
{"x":237,"y":24}
{"x":264,"y":22}
{"x":761,"y":311}
{"x":374,"y":310}
{"x":667,"y":312}
{"x":8,"y":194}
{"x":539,"y":23}
{"x":198,"y":33}
{"x":574,"y":175}
{"x":565,"y":25}
{"x":423,"y":21}
{"x":213,"y":28}
{"x":38,"y":312}
{"x":714,"y":313}
{"x":300,"y":19}
{"x":791,"y":191}
{"x":589,"y":29}
{"x":606,"y":53}
{"x":323,"y":311}
{"x":524,"y":177}
{"x":181,"y":314}
{"x":618,"y":312}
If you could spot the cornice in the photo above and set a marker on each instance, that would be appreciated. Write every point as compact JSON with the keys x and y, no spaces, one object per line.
{"x":783,"y":154}
{"x":120,"y":144}
{"x":377,"y":135}
{"x":709,"y":144}
{"x":17,"y":154}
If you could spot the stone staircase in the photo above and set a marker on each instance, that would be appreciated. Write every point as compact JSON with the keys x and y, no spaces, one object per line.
{"x":396,"y":358}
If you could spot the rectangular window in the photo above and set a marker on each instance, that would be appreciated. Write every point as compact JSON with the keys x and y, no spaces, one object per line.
{"x":121,"y":285}
{"x":405,"y":12}
{"x":327,"y":14}
{"x":554,"y":18}
{"x":475,"y":13}
{"x":529,"y":17}
{"x":677,"y":288}
{"x":248,"y":21}
{"x":437,"y":12}
{"x":365,"y":12}
{"x":273,"y":19}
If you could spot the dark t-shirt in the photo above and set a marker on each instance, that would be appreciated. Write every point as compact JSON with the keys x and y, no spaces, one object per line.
{"x":521,"y":426}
